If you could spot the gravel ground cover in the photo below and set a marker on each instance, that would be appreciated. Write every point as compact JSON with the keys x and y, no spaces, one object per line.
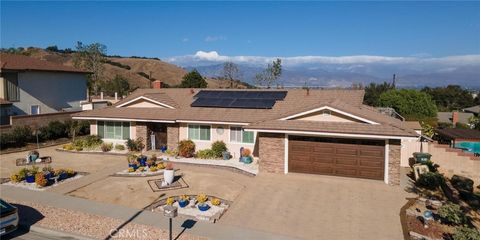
{"x":33,"y":186}
{"x":89,"y":225}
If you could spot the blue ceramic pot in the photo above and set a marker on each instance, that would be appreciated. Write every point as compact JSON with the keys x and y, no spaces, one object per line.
{"x":48,"y":176}
{"x":163,"y":149}
{"x":182,"y":203}
{"x":246,"y":160}
{"x":62,"y":176}
{"x":203,"y":207}
{"x":133,"y":165}
{"x":226,"y":155}
{"x":143,"y":161}
{"x":30,"y":179}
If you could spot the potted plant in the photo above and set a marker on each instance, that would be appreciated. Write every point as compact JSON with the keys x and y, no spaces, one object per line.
{"x":33,"y":156}
{"x":226,"y":155}
{"x":168,"y":173}
{"x":142,"y":159}
{"x":40,"y":180}
{"x":170,"y":201}
{"x":246,"y":156}
{"x":163,"y":148}
{"x":132,"y":161}
{"x":216,"y":202}
{"x":202,"y":202}
{"x":183,"y":201}
{"x":48,"y":172}
{"x":61,"y":173}
{"x":30,"y":177}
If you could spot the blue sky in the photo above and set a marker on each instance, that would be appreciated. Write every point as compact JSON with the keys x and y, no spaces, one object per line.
{"x":166,"y":29}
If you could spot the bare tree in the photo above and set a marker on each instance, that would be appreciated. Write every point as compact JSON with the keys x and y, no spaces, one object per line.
{"x":271,"y":74}
{"x":91,"y":57}
{"x":231,"y":72}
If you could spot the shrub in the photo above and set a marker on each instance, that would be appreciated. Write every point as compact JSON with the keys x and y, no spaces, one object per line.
{"x":56,"y":129}
{"x":452,"y":213}
{"x":68,"y":147}
{"x":465,"y":233}
{"x":206,"y":154}
{"x":186,"y":148}
{"x":18,"y":137}
{"x":40,"y":180}
{"x":430,"y":180}
{"x":92,"y":141}
{"x":432,"y":167}
{"x":119,"y":147}
{"x":135,"y":145}
{"x":216,"y":201}
{"x":170,"y":201}
{"x":462,"y":183}
{"x":78,"y":148}
{"x":218,"y":147}
{"x":246,"y":152}
{"x":106,"y":147}
{"x":15,"y":178}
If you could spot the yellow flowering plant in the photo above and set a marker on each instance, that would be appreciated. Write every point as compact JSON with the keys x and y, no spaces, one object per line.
{"x":216,"y":201}
{"x":184,"y":197}
{"x":170,"y":201}
{"x":201,"y":198}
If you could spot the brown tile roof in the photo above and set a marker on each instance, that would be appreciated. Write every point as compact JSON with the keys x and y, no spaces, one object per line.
{"x":25,"y":63}
{"x":295,"y":102}
{"x":415,"y":125}
{"x":331,"y":127}
{"x":454,"y":133}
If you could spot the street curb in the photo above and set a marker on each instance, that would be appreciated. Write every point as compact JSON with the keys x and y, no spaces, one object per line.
{"x":57,"y":233}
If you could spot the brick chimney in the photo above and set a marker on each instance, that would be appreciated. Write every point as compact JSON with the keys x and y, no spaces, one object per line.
{"x":454,"y":118}
{"x":157,"y":84}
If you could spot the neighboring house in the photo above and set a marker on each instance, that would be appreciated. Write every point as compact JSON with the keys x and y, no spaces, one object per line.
{"x":415,"y":125}
{"x":308,"y":131}
{"x":33,"y":86}
{"x":474,"y":110}
{"x":454,"y":117}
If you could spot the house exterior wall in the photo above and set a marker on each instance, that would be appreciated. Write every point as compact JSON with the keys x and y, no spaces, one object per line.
{"x":52,"y":91}
{"x":271,"y":152}
{"x":394,"y":158}
{"x":141,"y":131}
{"x":408,"y":148}
{"x":216,"y":135}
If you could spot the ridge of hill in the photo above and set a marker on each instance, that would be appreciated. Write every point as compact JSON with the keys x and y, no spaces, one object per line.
{"x":135,"y":69}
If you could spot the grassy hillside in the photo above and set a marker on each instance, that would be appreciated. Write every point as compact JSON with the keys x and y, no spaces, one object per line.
{"x":136,"y":70}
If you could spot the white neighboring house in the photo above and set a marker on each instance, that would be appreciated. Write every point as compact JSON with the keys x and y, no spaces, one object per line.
{"x":31,"y":86}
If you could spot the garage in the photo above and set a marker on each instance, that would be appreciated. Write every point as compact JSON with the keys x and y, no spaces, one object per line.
{"x":358,"y":158}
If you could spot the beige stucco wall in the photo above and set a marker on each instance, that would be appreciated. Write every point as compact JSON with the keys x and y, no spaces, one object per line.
{"x":408,"y":148}
{"x":233,"y":147}
{"x":143,"y":104}
{"x":320,"y":116}
{"x":2,"y":88}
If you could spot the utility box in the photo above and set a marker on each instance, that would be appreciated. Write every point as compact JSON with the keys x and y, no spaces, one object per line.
{"x":422,"y":157}
{"x":170,"y":211}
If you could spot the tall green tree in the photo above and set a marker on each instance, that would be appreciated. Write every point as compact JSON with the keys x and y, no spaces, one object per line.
{"x":411,"y":104}
{"x":119,"y":85}
{"x":271,"y":74}
{"x":452,"y":97}
{"x":373,"y":92}
{"x":193,"y":79}
{"x":91,"y":57}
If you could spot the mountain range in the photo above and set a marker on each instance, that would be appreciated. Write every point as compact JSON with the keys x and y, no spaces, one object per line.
{"x":318,"y":71}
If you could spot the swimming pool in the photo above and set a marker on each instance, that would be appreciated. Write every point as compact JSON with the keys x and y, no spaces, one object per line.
{"x":473,"y":147}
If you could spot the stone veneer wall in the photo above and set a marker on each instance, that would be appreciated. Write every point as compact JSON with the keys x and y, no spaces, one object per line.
{"x":141,"y":130}
{"x":394,"y":158}
{"x":271,"y":152}
{"x":173,"y":131}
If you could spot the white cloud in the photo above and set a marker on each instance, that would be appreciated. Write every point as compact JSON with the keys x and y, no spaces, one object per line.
{"x":215,"y":38}
{"x":356,"y":60}
{"x":185,"y":40}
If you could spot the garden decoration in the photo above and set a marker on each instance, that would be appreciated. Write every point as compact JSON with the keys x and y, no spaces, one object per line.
{"x":427,"y":216}
{"x":226,"y":155}
{"x":246,"y":156}
{"x":132,"y":161}
{"x":33,"y":156}
{"x":419,"y":169}
{"x":142,"y":159}
{"x":202,"y":202}
{"x":168,"y":173}
{"x":170,"y":212}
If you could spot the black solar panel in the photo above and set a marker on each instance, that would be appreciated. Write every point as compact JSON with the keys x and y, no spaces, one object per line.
{"x":277,"y":95}
{"x":238,"y":99}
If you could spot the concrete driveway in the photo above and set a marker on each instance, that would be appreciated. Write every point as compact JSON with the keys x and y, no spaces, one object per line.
{"x":320,"y":207}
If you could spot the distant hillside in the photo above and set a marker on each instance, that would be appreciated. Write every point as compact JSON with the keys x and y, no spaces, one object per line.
{"x":136,"y":70}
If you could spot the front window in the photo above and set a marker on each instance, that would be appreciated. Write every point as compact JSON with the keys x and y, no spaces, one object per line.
{"x":34,"y":109}
{"x":113,"y":130}
{"x":237,"y":134}
{"x":199,"y":132}
{"x":12,"y":91}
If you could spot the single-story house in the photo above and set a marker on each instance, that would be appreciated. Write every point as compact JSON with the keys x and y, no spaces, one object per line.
{"x":474,"y":110}
{"x":30,"y":86}
{"x":454,"y":117}
{"x":290,"y":130}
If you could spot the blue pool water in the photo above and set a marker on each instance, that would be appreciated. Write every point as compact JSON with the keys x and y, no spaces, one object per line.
{"x":473,"y":147}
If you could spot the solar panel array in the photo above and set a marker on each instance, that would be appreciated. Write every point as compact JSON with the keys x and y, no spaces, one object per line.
{"x":238,"y":99}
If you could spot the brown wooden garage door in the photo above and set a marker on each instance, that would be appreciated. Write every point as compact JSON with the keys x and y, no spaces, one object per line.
{"x":339,"y":157}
